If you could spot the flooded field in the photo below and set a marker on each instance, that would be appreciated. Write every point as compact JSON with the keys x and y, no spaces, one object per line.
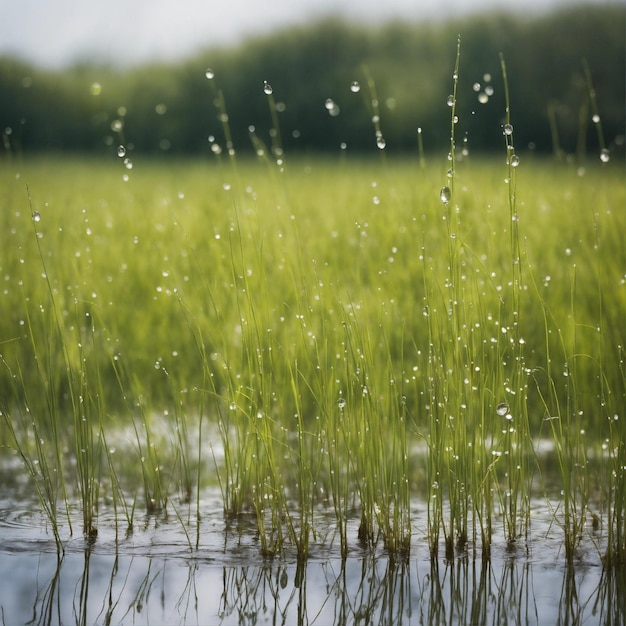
{"x":334,"y":395}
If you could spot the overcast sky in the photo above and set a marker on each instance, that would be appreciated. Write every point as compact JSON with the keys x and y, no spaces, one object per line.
{"x":55,"y":33}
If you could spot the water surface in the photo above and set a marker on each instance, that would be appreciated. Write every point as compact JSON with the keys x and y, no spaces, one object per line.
{"x":155,"y":575}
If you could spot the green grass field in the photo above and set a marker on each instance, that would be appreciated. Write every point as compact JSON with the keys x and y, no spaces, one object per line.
{"x":328,"y":331}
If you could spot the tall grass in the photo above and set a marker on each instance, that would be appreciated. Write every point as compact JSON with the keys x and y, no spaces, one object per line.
{"x":313,"y":326}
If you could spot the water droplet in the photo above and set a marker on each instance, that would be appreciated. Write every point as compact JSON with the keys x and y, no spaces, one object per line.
{"x":121,"y":152}
{"x":514,"y":160}
{"x":450,"y":101}
{"x":380,"y":142}
{"x":210,"y":74}
{"x":604,"y":155}
{"x":332,"y":107}
{"x":355,"y":87}
{"x":116,"y":126}
{"x":341,"y":403}
{"x":508,"y":129}
{"x":267,"y":88}
{"x":489,"y":90}
{"x":502,"y":408}
{"x":36,"y":216}
{"x":476,"y":87}
{"x":595,"y":119}
{"x":483,"y":98}
{"x":445,"y":195}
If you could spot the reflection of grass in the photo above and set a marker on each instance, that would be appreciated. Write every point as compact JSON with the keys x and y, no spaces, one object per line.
{"x":92,"y":587}
{"x":319,"y":318}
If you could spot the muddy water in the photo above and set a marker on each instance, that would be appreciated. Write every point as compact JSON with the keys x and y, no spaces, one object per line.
{"x":155,"y":575}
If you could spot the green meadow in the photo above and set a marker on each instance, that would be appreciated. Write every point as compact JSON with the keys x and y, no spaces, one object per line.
{"x":371,"y":346}
{"x":329,"y":334}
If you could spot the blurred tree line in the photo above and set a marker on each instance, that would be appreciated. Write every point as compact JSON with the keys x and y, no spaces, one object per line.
{"x":552,"y":61}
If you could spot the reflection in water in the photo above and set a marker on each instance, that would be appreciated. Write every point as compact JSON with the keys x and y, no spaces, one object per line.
{"x":87,"y":587}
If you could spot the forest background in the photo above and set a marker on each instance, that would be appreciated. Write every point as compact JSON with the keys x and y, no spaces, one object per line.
{"x":556,"y":63}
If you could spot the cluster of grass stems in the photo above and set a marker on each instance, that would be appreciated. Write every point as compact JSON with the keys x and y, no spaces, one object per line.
{"x":312,"y":350}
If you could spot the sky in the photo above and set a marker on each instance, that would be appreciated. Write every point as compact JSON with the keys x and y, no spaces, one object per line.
{"x":58,"y":33}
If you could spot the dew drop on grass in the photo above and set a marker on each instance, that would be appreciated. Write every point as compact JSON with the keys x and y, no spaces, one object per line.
{"x":121,"y":152}
{"x":36,"y":216}
{"x":209,"y":73}
{"x":508,"y":129}
{"x":604,"y":155}
{"x":380,"y":142}
{"x":514,"y":160}
{"x":445,"y":195}
{"x":355,"y":87}
{"x":502,"y":408}
{"x":596,"y":119}
{"x":483,"y":98}
{"x":341,"y":403}
{"x":267,"y":88}
{"x":450,"y":100}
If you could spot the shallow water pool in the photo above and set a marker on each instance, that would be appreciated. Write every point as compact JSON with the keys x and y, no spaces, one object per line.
{"x":155,"y":575}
